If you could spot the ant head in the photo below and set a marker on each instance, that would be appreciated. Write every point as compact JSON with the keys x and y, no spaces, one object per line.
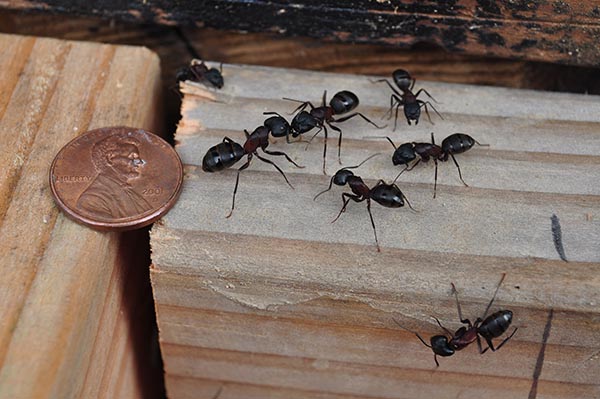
{"x":402,"y":79}
{"x":341,"y":177}
{"x":302,"y":123}
{"x":412,"y":111}
{"x":183,"y":74}
{"x":344,"y":101}
{"x":404,"y":154}
{"x":441,"y":346}
{"x":214,"y":77}
{"x":278,"y":126}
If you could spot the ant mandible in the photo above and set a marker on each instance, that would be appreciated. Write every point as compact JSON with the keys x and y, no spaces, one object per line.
{"x":456,"y":143}
{"x":228,"y":152}
{"x":388,"y":195}
{"x":323,"y":116}
{"x":488,"y":328}
{"x":409,"y":101}
{"x":199,"y":72}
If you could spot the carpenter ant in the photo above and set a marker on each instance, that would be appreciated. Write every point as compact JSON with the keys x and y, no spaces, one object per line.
{"x":488,"y":328}
{"x":409,"y":101}
{"x":323,"y":116}
{"x":228,"y":152}
{"x":199,"y":72}
{"x":454,"y":144}
{"x":388,"y":195}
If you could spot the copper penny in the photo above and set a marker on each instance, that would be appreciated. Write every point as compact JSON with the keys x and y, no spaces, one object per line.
{"x":116,"y":178}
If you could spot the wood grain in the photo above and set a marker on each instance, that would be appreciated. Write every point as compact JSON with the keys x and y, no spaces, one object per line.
{"x":559,"y":31}
{"x":280,"y":301}
{"x":69,"y":295}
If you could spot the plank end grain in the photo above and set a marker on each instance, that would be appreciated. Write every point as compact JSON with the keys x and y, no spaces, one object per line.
{"x":277,"y":301}
{"x":75,"y":302}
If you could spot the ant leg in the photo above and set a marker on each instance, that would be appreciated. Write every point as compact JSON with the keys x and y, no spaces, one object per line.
{"x":428,"y":95}
{"x":311,"y":139}
{"x":435,"y":178}
{"x":276,"y":167}
{"x":324,"y":149}
{"x":216,"y":396}
{"x":437,"y":364}
{"x":373,"y":224}
{"x":337,"y":129}
{"x":346,"y":197}
{"x":324,"y":98}
{"x":494,"y":297}
{"x":491,"y":346}
{"x":460,"y":316}
{"x":424,"y":104}
{"x":432,"y":139}
{"x":388,"y":83}
{"x":458,"y":167}
{"x":301,"y":107}
{"x":237,"y":180}
{"x":345,"y":118}
{"x":279,"y":153}
{"x":409,"y":205}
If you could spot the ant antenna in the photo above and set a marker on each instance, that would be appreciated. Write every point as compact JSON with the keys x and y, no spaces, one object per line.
{"x":494,"y":297}
{"x":411,"y":331}
{"x":345,"y":168}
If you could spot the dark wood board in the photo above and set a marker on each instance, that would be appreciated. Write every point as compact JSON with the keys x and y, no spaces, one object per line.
{"x":556,"y":31}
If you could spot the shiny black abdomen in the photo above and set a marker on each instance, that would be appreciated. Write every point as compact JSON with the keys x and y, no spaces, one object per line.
{"x":344,"y":101}
{"x":495,"y":324}
{"x":388,"y":195}
{"x":457,"y":143}
{"x":222,"y":156}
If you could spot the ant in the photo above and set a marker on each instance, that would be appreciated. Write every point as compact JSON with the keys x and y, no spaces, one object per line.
{"x":228,"y":152}
{"x":409,"y":101}
{"x":323,"y":116}
{"x":388,"y":195}
{"x":199,"y":72}
{"x":454,"y":144}
{"x":488,"y":328}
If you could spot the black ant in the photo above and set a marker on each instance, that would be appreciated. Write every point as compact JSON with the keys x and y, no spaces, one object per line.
{"x":412,"y":106}
{"x":454,"y":144}
{"x":388,"y":195}
{"x":488,"y":328}
{"x":228,"y":152}
{"x":199,"y":72}
{"x":323,"y":116}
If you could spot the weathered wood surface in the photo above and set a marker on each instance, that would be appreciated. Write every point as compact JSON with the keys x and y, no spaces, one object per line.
{"x":278,"y":302}
{"x":76,"y":318}
{"x":558,"y":31}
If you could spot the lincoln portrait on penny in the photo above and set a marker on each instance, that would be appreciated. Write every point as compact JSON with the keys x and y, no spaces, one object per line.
{"x":110,"y":195}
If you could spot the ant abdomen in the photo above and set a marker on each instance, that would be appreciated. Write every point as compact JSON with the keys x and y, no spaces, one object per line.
{"x":222,"y":156}
{"x":496,"y":324}
{"x":402,"y":79}
{"x":457,"y":143}
{"x":388,"y":195}
{"x":343,"y":102}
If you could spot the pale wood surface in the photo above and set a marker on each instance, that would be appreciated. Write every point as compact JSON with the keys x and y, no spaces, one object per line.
{"x":280,"y":299}
{"x":71,"y":296}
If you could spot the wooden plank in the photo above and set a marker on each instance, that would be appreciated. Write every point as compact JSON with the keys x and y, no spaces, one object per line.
{"x":70,"y":294}
{"x":276,"y":297}
{"x":565,"y":31}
